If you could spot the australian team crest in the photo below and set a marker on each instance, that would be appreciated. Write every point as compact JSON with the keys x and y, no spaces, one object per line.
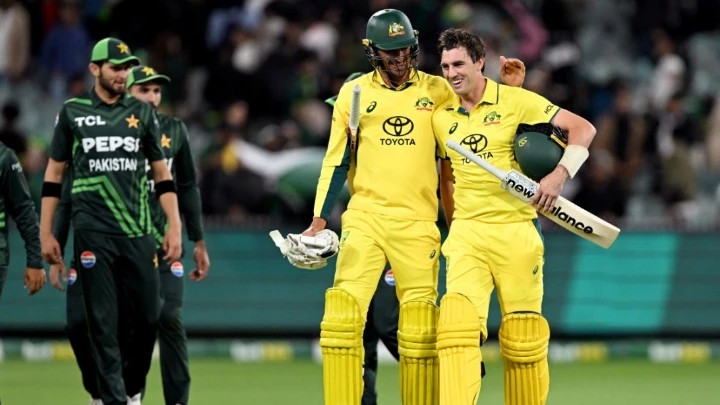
{"x":396,"y":29}
{"x":492,"y":118}
{"x":424,"y":104}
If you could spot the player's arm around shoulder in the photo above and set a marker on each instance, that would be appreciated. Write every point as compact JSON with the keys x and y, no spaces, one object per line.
{"x":336,"y":164}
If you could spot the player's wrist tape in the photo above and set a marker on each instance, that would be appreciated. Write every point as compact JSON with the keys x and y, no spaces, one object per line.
{"x":165,"y":186}
{"x":573,"y":158}
{"x":50,"y":189}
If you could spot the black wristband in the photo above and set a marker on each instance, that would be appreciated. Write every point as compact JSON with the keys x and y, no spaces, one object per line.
{"x":50,"y":189}
{"x":165,"y":186}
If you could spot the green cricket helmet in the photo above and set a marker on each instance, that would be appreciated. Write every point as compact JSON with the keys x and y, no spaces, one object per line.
{"x":388,"y":30}
{"x":350,"y":78}
{"x":538,"y":149}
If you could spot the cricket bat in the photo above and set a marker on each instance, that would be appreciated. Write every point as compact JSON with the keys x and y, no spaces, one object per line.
{"x":566,"y":214}
{"x":354,"y":115}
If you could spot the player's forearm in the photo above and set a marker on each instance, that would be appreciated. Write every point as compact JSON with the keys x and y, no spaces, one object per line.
{"x":447,"y":190}
{"x":191,"y":207}
{"x":52,"y":190}
{"x":27,"y":224}
{"x":25,"y":216}
{"x":47,"y":213}
{"x":580,"y":135}
{"x":448,"y":203}
{"x":169,"y":204}
{"x":331,"y":182}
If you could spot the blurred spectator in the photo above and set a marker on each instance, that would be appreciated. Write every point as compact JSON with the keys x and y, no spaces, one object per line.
{"x":622,"y":133}
{"x":14,"y":40}
{"x":10,"y":134}
{"x":670,"y":141}
{"x":669,"y":75}
{"x":66,"y":50}
{"x":601,"y":191}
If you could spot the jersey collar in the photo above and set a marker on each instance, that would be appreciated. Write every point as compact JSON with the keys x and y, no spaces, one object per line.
{"x":97,"y":101}
{"x":414,"y":77}
{"x":491,"y":96}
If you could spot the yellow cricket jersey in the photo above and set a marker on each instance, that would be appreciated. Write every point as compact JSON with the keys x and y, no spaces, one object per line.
{"x":392,"y":170}
{"x":489,"y":132}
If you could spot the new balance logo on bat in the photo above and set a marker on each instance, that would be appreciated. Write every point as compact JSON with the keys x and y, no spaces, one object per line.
{"x":526,"y":194}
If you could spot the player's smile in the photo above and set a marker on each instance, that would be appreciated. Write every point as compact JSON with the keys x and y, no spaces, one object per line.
{"x":457,"y":83}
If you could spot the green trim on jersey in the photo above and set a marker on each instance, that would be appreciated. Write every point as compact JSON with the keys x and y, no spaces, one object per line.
{"x":101,"y":184}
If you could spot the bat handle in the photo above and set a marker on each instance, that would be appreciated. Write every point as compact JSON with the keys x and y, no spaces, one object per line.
{"x":353,"y":138}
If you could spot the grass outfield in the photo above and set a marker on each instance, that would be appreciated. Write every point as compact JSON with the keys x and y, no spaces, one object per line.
{"x":300,"y":382}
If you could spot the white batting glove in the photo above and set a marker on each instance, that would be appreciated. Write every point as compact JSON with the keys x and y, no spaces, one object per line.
{"x":307,"y":252}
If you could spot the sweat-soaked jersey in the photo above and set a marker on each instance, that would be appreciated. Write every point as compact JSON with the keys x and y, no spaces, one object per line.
{"x":106,"y":146}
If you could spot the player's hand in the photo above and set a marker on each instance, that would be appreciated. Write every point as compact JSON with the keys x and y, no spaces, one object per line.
{"x":55,"y":271}
{"x":318,"y":224}
{"x":172,"y":245}
{"x":34,"y":279}
{"x":50,"y":248}
{"x":550,"y":188}
{"x":202,"y":261}
{"x":512,"y":71}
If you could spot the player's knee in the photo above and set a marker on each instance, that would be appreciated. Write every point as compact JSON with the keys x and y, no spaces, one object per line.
{"x":170,"y":317}
{"x":76,"y":324}
{"x":343,"y":323}
{"x":459,"y":324}
{"x":417,"y":329}
{"x":524,"y":337}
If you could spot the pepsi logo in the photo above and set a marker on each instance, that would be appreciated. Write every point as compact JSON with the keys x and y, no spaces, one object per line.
{"x":390,"y":277}
{"x":87,"y":259}
{"x":177,"y":269}
{"x":72,"y":277}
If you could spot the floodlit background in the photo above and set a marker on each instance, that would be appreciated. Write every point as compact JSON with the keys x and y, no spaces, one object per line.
{"x":635,"y":324}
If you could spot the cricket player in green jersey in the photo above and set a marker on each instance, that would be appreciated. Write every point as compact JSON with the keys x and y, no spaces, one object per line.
{"x":144,"y":83}
{"x":105,"y":138}
{"x":15,"y":201}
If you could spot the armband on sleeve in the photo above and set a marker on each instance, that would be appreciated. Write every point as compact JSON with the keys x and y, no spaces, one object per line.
{"x":165,"y":186}
{"x":50,"y":189}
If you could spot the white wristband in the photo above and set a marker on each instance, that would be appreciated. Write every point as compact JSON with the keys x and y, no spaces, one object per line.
{"x":573,"y":158}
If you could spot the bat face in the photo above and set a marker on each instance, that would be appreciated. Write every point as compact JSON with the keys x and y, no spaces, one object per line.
{"x":565,"y":213}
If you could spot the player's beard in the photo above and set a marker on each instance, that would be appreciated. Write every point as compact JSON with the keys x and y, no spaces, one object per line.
{"x":108,"y":86}
{"x":397,"y":76}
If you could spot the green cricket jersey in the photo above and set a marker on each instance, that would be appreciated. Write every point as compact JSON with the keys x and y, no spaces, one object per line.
{"x":15,"y":201}
{"x":175,"y":146}
{"x":107,"y":146}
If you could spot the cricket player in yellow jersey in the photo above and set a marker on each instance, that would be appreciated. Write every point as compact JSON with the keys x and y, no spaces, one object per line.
{"x":494,"y":238}
{"x":392,"y":175}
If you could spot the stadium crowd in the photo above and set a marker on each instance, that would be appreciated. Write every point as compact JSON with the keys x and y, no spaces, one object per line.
{"x":250,"y":79}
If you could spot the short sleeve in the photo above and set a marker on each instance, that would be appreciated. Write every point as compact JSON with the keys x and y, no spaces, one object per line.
{"x":62,"y":141}
{"x":534,"y":108}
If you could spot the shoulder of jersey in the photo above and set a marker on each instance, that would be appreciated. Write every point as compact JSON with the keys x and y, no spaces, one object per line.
{"x":361,"y":80}
{"x":178,"y":123}
{"x":506,"y":90}
{"x":78,"y":100}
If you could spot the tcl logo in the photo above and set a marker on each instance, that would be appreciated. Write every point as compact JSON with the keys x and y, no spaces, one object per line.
{"x":89,"y":121}
{"x":111,"y":144}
